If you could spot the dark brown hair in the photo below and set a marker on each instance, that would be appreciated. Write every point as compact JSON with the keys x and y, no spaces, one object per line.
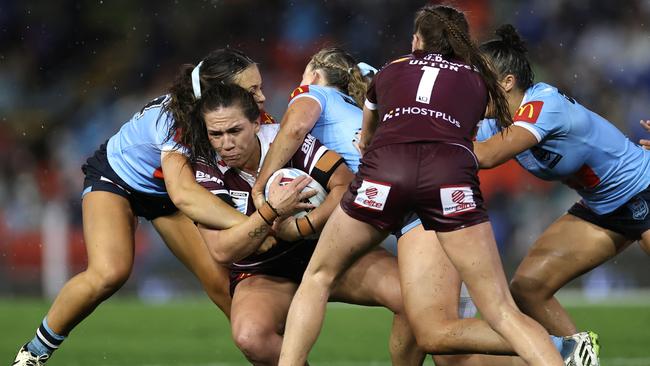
{"x":444,"y":29}
{"x":220,"y":67}
{"x":508,"y":56}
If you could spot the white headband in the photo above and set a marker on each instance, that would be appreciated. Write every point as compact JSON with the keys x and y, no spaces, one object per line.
{"x":196,"y":81}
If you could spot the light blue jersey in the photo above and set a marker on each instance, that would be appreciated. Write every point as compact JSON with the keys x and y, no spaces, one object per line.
{"x":134,"y":151}
{"x":579,"y":148}
{"x":339,"y":121}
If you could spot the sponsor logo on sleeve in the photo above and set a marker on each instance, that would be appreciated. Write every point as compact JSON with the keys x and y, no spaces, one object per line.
{"x":529,"y":112}
{"x":240,"y":199}
{"x":299,"y":90}
{"x":372,"y":195}
{"x":456,"y":200}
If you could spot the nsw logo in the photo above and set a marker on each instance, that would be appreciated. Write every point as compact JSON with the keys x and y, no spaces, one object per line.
{"x":639,"y":208}
{"x":240,"y":199}
{"x":372,"y":195}
{"x":456,"y":199}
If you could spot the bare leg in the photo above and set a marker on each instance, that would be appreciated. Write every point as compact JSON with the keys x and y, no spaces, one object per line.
{"x":257,"y":330}
{"x":109,"y":227}
{"x":184,"y":240}
{"x":342,"y":241}
{"x":473,"y":252}
{"x":431,"y":290}
{"x":645,"y":242}
{"x":374,"y":280}
{"x":567,"y":249}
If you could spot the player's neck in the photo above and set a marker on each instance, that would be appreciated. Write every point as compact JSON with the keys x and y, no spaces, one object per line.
{"x":515,"y":97}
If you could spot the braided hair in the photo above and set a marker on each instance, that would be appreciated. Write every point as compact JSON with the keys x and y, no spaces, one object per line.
{"x":341,"y":71}
{"x":445,"y":30}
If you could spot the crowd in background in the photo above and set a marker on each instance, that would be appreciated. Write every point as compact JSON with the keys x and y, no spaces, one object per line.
{"x":72,"y":72}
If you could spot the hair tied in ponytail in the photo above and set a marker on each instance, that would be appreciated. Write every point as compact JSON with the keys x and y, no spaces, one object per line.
{"x":511,"y":38}
{"x":196,"y":81}
{"x":366,"y":70}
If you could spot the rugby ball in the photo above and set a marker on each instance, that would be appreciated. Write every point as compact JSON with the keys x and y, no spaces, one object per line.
{"x":288,"y":175}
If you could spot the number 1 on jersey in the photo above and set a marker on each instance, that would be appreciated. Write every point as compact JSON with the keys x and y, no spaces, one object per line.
{"x":425,"y":87}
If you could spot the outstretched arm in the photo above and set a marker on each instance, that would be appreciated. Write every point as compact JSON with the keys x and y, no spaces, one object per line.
{"x":503,"y":146}
{"x":300,"y":118}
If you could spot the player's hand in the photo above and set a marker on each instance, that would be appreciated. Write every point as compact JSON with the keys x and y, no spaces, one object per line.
{"x":268,"y":243}
{"x":286,"y":229}
{"x":288,"y":199}
{"x":645,"y":143}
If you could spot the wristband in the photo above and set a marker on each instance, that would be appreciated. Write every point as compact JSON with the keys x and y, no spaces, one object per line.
{"x":268,"y":213}
{"x":304,"y":226}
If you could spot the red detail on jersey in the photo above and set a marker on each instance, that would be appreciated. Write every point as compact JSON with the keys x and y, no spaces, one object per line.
{"x":584,"y":178}
{"x":529,"y":112}
{"x":222,"y":163}
{"x":266,"y":119}
{"x":158,"y":173}
{"x":299,"y":90}
{"x":177,"y":135}
{"x":243,"y":276}
{"x":458,"y":196}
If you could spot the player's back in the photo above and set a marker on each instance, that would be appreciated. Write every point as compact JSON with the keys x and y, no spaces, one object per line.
{"x":338,"y":123}
{"x":427,"y":97}
{"x":134,"y":151}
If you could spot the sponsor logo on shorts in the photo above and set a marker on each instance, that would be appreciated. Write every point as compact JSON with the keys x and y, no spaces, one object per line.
{"x":240,"y":199}
{"x":456,"y":200}
{"x":639,"y":208}
{"x":372,"y":195}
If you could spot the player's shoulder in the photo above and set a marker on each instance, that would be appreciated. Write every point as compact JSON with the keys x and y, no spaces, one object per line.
{"x":540,"y":98}
{"x":309,"y":90}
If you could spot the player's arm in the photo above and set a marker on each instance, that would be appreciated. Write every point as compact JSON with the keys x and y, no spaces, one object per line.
{"x":503,"y":146}
{"x":192,"y":199}
{"x":230,"y":245}
{"x":331,"y":172}
{"x":645,"y":143}
{"x":368,"y":127}
{"x":300,"y":118}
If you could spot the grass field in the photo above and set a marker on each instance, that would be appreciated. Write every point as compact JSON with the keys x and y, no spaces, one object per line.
{"x":193,"y":332}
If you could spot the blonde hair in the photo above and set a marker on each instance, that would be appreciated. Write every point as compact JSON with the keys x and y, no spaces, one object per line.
{"x":341,"y":71}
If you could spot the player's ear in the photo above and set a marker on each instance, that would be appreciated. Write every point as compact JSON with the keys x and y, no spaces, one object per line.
{"x":508,"y":82}
{"x":257,"y":125}
{"x":416,"y":42}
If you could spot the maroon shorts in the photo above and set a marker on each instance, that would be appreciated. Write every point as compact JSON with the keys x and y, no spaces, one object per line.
{"x":436,"y":181}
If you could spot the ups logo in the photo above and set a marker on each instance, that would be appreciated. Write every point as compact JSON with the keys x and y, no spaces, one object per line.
{"x":529,"y":112}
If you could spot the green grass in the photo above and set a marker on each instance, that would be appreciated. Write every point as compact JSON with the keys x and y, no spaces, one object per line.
{"x":193,"y":332}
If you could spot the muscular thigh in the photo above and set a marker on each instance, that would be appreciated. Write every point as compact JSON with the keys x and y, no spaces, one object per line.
{"x":430,"y":283}
{"x":568,"y":248}
{"x":262,"y":302}
{"x":109,"y":227}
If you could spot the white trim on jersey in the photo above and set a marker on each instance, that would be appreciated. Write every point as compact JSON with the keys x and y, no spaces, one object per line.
{"x":219,"y":191}
{"x":319,"y":153}
{"x":530,"y":129}
{"x":370,"y":105}
{"x":308,"y":96}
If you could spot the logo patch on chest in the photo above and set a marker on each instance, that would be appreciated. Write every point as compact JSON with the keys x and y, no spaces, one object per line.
{"x":240,"y":199}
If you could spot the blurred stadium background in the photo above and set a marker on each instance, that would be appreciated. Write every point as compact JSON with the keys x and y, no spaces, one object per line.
{"x":71,"y":72}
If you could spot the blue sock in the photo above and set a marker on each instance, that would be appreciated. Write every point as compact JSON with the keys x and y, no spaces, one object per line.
{"x":558,"y":342}
{"x":46,"y":341}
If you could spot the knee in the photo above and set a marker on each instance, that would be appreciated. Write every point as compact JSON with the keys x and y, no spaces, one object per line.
{"x":526,"y":288}
{"x":433,"y":338}
{"x":108,"y":280}
{"x":253,"y":341}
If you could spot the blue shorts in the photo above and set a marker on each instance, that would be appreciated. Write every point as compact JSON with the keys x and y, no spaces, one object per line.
{"x":630,"y":220}
{"x":101,"y":177}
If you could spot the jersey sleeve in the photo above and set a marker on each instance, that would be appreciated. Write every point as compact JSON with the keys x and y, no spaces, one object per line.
{"x":486,"y":129}
{"x":371,"y":94}
{"x":316,"y":159}
{"x":542,"y":117}
{"x":309,"y":91}
{"x":210,"y":178}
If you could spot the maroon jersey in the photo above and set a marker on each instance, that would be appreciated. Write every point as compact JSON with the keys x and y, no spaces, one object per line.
{"x":234,"y":185}
{"x":426,"y":97}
